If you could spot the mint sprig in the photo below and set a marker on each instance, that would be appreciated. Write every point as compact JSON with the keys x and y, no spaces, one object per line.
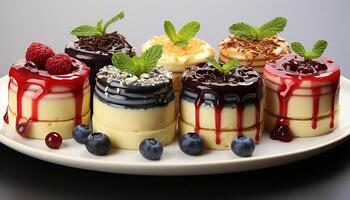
{"x":316,"y":51}
{"x":268,"y":29}
{"x":138,"y":65}
{"x":182,"y":37}
{"x":99,"y":29}
{"x":224,"y":69}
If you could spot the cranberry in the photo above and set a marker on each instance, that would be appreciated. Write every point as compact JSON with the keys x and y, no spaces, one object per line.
{"x":319,"y":66}
{"x":306,"y":70}
{"x":282,"y":133}
{"x":53,"y":140}
{"x":291,"y":65}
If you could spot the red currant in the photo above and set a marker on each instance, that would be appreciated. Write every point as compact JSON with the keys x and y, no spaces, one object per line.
{"x":53,"y":140}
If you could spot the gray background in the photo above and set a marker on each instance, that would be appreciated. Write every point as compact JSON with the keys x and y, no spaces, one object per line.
{"x":323,"y":177}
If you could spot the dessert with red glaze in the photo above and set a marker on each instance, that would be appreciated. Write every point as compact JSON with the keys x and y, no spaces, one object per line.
{"x":94,"y":46}
{"x":47,"y":92}
{"x":302,"y":92}
{"x":221,"y":102}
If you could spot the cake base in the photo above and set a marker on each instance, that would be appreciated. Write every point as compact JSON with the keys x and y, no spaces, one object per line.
{"x":226,"y":136}
{"x":303,"y":127}
{"x":39,"y":129}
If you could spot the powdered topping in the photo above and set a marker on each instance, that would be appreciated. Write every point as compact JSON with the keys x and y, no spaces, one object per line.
{"x":117,"y":78}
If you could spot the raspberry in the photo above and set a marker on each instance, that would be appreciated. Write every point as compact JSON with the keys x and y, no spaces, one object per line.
{"x":39,"y":53}
{"x":59,"y":64}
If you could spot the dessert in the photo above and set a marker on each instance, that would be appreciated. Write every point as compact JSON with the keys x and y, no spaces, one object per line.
{"x":47,"y":93}
{"x":181,"y":50}
{"x":254,"y":46}
{"x":134,"y":100}
{"x":95,"y":46}
{"x":302,"y":93}
{"x":221,"y":102}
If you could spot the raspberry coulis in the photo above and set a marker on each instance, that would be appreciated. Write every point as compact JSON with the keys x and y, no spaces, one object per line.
{"x":292,"y":71}
{"x":24,"y":76}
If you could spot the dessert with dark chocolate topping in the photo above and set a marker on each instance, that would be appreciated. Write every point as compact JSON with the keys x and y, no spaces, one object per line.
{"x":95,"y":46}
{"x":134,"y":100}
{"x":221,"y":103}
{"x":47,"y":92}
{"x":255,"y":46}
{"x":302,"y":93}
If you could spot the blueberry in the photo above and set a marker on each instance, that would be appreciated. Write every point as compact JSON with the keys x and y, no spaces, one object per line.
{"x":243,"y":146}
{"x":80,"y":133}
{"x":151,"y":149}
{"x":98,"y":144}
{"x":191,"y":143}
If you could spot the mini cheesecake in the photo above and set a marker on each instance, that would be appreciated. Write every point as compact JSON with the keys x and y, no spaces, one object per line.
{"x":302,"y":97}
{"x":96,"y":51}
{"x":254,"y":53}
{"x":40,"y":103}
{"x":220,"y":107}
{"x":177,"y":58}
{"x":131,"y":108}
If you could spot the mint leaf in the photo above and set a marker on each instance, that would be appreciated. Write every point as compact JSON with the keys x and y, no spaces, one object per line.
{"x":319,"y":47}
{"x":249,"y":32}
{"x":122,"y":61}
{"x":119,"y":16}
{"x":170,"y":31}
{"x":99,"y":25}
{"x":298,"y":48}
{"x":138,"y":65}
{"x":85,"y":30}
{"x":188,"y":31}
{"x":230,"y":65}
{"x":272,"y":27}
{"x":317,"y":50}
{"x":244,"y":30}
{"x":226,"y":68}
{"x":151,"y":56}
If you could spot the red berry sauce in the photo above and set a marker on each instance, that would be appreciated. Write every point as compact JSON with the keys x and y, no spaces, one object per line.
{"x":292,"y":70}
{"x":24,"y":75}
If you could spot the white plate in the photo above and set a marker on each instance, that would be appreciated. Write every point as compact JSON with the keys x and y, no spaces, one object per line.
{"x":174,"y":162}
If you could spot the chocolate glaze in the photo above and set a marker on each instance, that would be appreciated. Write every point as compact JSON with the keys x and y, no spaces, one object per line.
{"x":95,"y":59}
{"x":133,"y":95}
{"x":240,"y":85}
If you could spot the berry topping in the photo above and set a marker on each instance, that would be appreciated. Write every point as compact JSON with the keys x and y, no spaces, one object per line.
{"x":53,"y":140}
{"x":98,"y":144}
{"x":81,"y":132}
{"x":151,"y":149}
{"x":243,"y":146}
{"x":304,"y":66}
{"x":191,"y":143}
{"x":38,"y":54}
{"x":59,"y":64}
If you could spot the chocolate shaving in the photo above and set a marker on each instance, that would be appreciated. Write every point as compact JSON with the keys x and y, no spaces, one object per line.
{"x":106,"y":43}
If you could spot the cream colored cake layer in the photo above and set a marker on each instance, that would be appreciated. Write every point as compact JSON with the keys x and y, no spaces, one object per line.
{"x":300,"y":104}
{"x":131,"y":139}
{"x":303,"y":128}
{"x":127,"y":119}
{"x":176,"y":57}
{"x":39,"y":129}
{"x":228,"y":115}
{"x":56,"y":106}
{"x":226,"y":136}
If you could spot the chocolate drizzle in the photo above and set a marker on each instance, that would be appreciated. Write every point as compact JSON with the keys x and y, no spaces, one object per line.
{"x":205,"y":84}
{"x":120,"y":89}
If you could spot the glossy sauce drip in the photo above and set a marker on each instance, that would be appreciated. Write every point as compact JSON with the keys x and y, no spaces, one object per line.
{"x":292,"y":81}
{"x":219,"y":92}
{"x":25,"y":77}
